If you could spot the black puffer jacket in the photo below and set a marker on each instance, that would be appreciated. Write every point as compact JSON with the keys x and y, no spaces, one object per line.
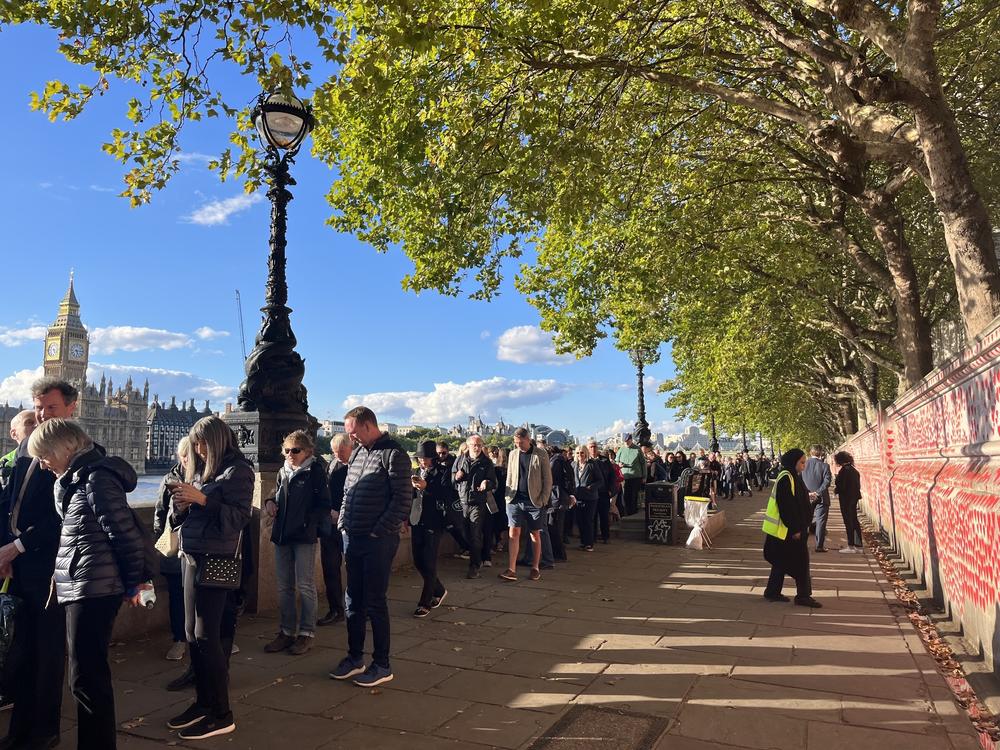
{"x":303,"y":498}
{"x":101,"y":549}
{"x":377,"y":493}
{"x":214,"y":528}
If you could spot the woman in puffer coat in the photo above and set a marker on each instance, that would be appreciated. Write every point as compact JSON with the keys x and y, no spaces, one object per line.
{"x":101,"y":562}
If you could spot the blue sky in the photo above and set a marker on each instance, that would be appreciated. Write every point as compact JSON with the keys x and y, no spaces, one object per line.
{"x":157,"y":285}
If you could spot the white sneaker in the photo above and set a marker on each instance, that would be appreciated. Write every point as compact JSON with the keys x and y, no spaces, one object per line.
{"x":487,"y":563}
{"x":848,"y":551}
{"x":177,"y":651}
{"x":236,"y":650}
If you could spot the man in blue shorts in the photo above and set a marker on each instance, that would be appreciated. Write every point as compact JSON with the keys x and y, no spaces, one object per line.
{"x":529,"y":484}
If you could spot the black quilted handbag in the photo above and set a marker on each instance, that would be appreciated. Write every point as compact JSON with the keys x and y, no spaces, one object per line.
{"x":220,"y":571}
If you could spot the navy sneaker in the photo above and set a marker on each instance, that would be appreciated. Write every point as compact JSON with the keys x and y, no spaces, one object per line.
{"x":348,"y":668}
{"x":374,"y":675}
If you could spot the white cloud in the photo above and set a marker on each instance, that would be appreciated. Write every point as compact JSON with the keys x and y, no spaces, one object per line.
{"x":628,"y":425}
{"x":218,"y":212}
{"x":103,"y":189}
{"x":165,"y":383}
{"x":483,"y":335}
{"x":207,"y":334}
{"x":529,"y":345}
{"x":451,"y":402}
{"x":135,"y":338}
{"x":16,"y":389}
{"x":18,"y":336}
{"x":193,"y":157}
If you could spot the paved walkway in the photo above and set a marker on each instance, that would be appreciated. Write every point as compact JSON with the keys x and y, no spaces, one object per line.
{"x":631,"y":646}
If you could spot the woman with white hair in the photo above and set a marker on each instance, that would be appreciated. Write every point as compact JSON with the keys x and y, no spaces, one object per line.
{"x":101,"y":560}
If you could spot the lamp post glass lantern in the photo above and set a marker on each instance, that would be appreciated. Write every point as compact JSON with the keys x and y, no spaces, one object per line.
{"x":282,"y":121}
{"x":273,"y":392}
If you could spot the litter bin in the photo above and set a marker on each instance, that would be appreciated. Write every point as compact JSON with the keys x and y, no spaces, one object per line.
{"x":661,"y":512}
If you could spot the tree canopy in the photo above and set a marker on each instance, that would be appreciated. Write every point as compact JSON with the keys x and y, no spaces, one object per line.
{"x":792,"y":192}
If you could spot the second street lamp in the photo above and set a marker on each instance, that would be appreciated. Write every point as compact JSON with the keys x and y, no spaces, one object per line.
{"x":640,"y":356}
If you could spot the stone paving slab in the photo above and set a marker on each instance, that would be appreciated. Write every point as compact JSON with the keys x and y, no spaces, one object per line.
{"x":674,"y":638}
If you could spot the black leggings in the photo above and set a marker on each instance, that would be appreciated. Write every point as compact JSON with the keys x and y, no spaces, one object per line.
{"x":210,"y":622}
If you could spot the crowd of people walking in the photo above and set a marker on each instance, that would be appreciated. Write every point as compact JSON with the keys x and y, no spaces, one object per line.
{"x":73,"y":550}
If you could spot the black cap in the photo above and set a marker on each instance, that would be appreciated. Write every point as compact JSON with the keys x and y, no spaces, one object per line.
{"x":427,"y":449}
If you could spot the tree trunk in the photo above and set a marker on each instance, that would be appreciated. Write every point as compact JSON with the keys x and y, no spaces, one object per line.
{"x":914,"y":330}
{"x":967,"y":230}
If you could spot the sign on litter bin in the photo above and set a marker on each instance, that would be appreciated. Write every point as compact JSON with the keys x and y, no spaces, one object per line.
{"x":661,"y":512}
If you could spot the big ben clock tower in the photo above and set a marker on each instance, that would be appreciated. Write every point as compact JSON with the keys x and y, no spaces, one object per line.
{"x":67,"y":345}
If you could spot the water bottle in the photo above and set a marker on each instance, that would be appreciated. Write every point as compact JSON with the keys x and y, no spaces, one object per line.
{"x":147,"y":597}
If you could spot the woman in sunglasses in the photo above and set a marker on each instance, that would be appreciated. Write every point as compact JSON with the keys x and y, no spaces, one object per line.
{"x":301,"y":501}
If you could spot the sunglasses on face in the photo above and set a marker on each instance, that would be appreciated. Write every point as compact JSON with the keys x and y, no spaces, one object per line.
{"x":292,"y":451}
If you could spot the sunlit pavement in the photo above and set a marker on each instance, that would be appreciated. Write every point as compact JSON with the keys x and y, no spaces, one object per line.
{"x":679,"y":642}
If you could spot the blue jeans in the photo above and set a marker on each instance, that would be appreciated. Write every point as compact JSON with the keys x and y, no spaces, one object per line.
{"x":819,"y":518}
{"x":369,"y":563}
{"x":295,"y":566}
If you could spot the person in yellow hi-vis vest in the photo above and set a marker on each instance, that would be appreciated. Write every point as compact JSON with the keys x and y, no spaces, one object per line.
{"x":785,"y":543}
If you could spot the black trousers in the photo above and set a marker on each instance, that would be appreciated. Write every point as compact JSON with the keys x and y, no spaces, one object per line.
{"x":331,"y":558}
{"x":35,"y":678}
{"x":631,"y":496}
{"x":424,"y":545}
{"x":604,"y":516}
{"x":585,"y":514}
{"x":475,"y":522}
{"x":557,"y":522}
{"x":88,"y":636}
{"x":210,"y":622}
{"x":849,"y":511}
{"x":455,"y":523}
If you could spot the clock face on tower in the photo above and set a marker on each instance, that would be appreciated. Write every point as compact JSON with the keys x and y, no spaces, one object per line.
{"x":53,"y":349}
{"x":76,"y":351}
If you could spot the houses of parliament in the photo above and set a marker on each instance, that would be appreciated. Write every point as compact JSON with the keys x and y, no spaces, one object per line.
{"x":121,"y":419}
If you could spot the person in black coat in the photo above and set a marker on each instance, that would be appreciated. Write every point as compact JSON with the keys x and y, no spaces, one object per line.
{"x":212,"y":509}
{"x":331,"y":543}
{"x":170,"y":564}
{"x":847,"y":485}
{"x":790,"y":556}
{"x":301,"y":502}
{"x":474,"y":476}
{"x":30,"y":531}
{"x":588,"y":491}
{"x":101,"y":561}
{"x":431,"y":495}
{"x":563,"y":486}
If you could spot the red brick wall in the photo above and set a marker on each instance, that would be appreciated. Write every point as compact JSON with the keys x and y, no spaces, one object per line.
{"x":930,"y":474}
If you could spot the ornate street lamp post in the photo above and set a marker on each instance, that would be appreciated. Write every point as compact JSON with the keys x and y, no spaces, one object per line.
{"x":714,"y":447}
{"x":272,"y":399}
{"x":640,"y":356}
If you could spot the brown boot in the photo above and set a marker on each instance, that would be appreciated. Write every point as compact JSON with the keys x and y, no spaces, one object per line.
{"x":280,"y":643}
{"x":302,"y":644}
